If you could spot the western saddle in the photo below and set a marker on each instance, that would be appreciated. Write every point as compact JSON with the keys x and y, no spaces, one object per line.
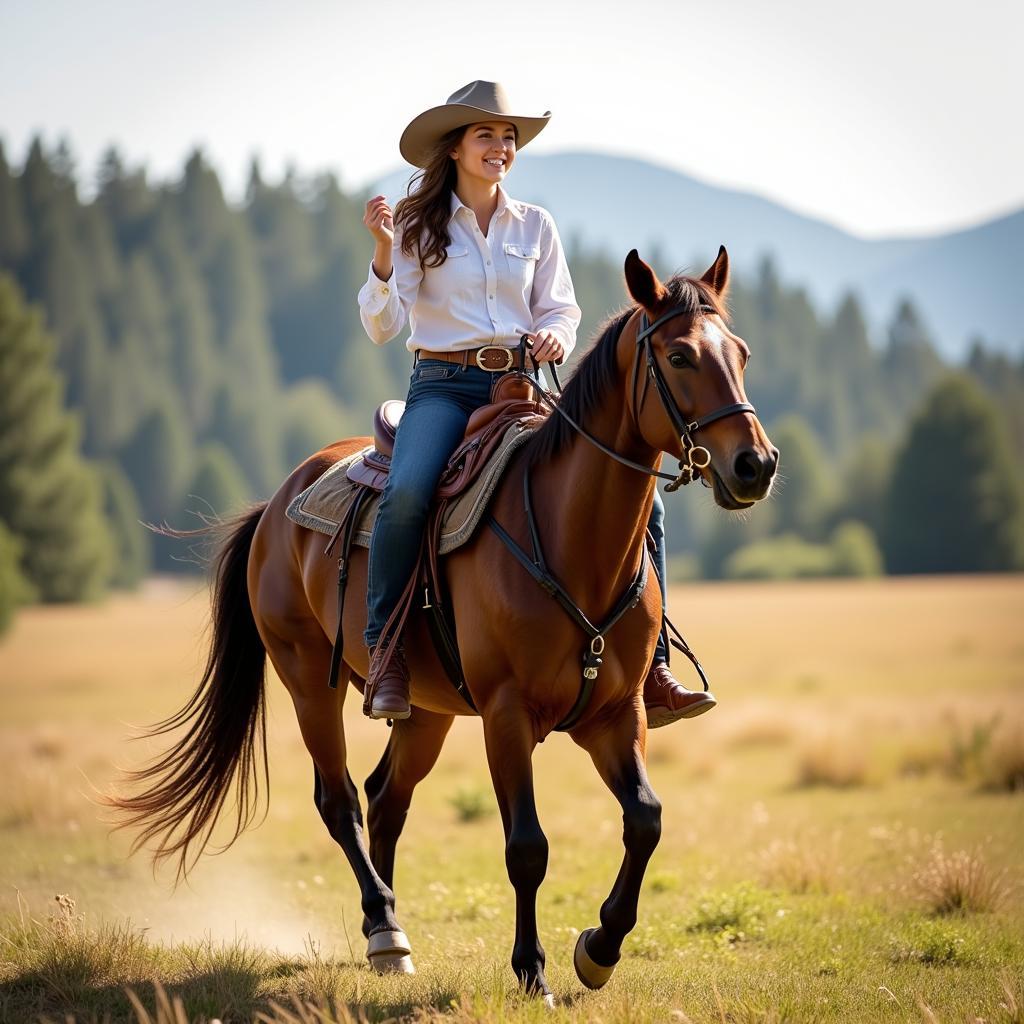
{"x":513,"y":398}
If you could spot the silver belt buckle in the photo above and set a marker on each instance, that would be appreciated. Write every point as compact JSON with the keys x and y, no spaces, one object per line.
{"x":509,"y":360}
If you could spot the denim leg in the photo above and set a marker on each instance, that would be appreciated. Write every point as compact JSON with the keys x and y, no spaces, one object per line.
{"x":656,"y":524}
{"x":433,"y":424}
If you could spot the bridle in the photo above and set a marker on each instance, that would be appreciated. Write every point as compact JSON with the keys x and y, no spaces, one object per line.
{"x":695,"y":457}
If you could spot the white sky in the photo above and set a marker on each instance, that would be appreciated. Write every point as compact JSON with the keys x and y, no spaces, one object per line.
{"x":881,"y":117}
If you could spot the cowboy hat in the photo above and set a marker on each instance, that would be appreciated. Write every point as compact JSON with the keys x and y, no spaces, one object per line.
{"x":478,"y":101}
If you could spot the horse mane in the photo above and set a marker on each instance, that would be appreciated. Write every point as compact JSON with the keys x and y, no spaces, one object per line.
{"x":596,"y":373}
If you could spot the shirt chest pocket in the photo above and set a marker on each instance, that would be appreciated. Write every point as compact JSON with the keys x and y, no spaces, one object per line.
{"x":456,"y":274}
{"x":521,"y":262}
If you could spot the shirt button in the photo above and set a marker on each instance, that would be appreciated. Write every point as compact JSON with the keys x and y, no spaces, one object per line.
{"x":385,"y":290}
{"x":491,"y":297}
{"x":488,"y":263}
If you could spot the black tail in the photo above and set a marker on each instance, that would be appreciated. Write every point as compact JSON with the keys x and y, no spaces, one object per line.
{"x":224,"y":745}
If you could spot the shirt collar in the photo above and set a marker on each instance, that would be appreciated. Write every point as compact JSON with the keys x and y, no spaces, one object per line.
{"x":504,"y":203}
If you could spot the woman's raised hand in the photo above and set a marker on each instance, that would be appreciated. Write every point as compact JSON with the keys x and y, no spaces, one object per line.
{"x":379,"y":220}
{"x":381,"y":224}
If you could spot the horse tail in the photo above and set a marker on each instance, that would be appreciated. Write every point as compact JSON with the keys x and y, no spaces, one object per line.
{"x":183,"y":792}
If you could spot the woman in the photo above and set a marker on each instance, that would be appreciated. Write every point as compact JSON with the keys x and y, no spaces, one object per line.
{"x":472,"y":270}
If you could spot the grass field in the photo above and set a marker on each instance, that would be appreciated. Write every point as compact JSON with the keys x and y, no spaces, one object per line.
{"x":843,"y":836}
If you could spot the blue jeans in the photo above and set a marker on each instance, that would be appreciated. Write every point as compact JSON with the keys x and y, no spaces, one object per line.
{"x":441,"y":398}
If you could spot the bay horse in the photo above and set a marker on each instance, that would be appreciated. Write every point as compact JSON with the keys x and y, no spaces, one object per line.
{"x":592,"y":481}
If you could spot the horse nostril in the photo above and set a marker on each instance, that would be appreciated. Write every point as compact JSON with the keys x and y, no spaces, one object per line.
{"x":747,"y":467}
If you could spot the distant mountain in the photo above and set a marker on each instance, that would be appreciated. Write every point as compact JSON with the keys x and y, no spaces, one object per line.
{"x":966,"y":283}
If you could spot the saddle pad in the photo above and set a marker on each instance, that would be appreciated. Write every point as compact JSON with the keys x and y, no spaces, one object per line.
{"x":322,"y":505}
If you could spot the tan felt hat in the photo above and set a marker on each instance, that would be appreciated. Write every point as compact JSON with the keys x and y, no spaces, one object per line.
{"x":478,"y":101}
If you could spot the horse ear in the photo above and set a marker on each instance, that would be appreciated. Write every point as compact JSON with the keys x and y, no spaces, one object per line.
{"x":717,"y":275}
{"x":643,"y":283}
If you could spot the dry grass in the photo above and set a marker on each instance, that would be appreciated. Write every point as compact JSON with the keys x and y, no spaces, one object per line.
{"x":809,"y":864}
{"x":959,"y":882}
{"x":1002,"y":766}
{"x":834,"y":762}
{"x":765,"y":729}
{"x":811,"y":946}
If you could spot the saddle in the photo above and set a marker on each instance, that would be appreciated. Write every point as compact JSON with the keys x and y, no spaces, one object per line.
{"x":512,"y":399}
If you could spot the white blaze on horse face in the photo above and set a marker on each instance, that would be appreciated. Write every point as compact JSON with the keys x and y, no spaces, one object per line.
{"x":713,"y":335}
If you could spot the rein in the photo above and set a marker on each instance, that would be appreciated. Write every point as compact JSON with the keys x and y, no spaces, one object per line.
{"x":537,"y":568}
{"x":695,"y":457}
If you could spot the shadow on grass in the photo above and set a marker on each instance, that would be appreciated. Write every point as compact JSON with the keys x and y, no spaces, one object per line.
{"x":225,"y":994}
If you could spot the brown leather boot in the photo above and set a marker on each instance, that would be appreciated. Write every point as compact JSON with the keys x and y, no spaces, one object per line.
{"x":389,"y":683}
{"x":667,"y":700}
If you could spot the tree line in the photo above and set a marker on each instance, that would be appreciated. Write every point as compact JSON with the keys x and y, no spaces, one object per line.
{"x":167,"y":353}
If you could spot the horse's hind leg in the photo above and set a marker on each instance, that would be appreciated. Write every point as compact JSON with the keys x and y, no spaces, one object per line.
{"x":412,"y":750}
{"x":618,"y":754}
{"x":302,"y":661}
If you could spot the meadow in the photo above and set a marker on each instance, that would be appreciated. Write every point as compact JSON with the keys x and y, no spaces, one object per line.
{"x":842,"y":837}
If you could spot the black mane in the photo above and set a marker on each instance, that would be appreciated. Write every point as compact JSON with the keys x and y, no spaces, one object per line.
{"x":596,"y":373}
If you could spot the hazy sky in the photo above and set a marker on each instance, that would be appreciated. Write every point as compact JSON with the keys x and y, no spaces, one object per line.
{"x":881,"y":117}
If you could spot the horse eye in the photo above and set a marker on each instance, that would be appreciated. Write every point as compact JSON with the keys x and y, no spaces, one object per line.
{"x":678,"y":360}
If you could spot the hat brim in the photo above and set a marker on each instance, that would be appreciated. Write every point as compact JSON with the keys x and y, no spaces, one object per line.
{"x":422,"y":132}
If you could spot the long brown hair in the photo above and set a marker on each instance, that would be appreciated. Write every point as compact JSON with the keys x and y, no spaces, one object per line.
{"x":424,"y":212}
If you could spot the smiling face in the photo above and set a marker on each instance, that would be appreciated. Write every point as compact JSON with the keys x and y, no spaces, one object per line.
{"x":485,"y":152}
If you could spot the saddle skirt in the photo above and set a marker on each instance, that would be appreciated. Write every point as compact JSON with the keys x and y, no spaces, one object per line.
{"x":323,"y":504}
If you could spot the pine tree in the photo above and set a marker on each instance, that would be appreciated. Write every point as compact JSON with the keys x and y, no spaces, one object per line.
{"x":865,"y":482}
{"x":805,"y":494}
{"x":956,"y":502}
{"x":14,"y":233}
{"x":910,"y":364}
{"x":157,"y":460}
{"x":218,"y":486}
{"x":313,"y":418}
{"x":14,"y":588}
{"x":250,"y":432}
{"x":49,"y":497}
{"x":133,"y":545}
{"x":194,"y":363}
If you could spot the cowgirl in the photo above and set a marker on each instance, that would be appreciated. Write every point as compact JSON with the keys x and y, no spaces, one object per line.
{"x":472,"y":270}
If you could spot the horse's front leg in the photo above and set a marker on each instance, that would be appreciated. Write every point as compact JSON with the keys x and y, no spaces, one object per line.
{"x":617,"y":749}
{"x":509,"y":733}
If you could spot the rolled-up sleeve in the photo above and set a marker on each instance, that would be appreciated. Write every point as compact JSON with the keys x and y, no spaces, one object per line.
{"x":553,"y":301}
{"x":384,"y":305}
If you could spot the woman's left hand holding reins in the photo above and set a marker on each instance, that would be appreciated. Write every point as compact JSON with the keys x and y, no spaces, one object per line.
{"x":547,"y":348}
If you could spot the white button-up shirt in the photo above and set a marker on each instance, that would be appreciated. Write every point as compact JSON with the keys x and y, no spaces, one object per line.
{"x":489,"y":291}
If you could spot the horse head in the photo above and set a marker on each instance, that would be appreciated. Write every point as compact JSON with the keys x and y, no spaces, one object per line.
{"x":687,"y":383}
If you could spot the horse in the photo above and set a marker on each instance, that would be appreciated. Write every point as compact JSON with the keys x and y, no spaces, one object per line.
{"x":591,"y":471}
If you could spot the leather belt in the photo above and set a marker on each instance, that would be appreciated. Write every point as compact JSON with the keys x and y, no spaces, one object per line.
{"x":493,"y":358}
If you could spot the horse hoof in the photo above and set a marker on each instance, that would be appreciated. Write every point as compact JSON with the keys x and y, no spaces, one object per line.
{"x":389,"y":953}
{"x":549,"y":1001}
{"x":592,"y":975}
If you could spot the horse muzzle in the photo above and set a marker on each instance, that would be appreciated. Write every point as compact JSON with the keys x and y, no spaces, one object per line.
{"x":747,"y":480}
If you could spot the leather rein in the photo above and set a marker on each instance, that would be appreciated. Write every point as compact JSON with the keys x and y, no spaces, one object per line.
{"x":695,"y":458}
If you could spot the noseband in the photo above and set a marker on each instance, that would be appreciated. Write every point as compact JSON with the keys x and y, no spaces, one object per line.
{"x":695,"y":457}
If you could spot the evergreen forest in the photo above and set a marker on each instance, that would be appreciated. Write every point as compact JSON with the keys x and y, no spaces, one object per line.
{"x":166,"y":353}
